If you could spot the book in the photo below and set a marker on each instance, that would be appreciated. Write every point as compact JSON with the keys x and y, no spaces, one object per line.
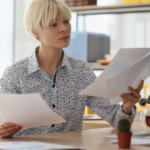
{"x":126,"y":1}
{"x":80,"y":2}
{"x":135,"y":1}
{"x":144,"y":1}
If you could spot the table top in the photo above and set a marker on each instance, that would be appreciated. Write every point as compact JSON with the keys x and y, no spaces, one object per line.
{"x":97,"y":123}
{"x":90,"y":139}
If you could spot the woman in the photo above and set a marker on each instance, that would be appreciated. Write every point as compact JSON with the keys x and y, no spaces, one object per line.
{"x":58,"y":77}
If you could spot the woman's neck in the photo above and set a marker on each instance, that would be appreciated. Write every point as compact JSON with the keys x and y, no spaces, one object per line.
{"x":49,"y":59}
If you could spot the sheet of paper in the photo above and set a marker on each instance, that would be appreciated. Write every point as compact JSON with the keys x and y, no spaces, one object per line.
{"x":132,"y":76}
{"x":27,"y":110}
{"x":123,"y":60}
{"x":33,"y":145}
{"x":135,"y":141}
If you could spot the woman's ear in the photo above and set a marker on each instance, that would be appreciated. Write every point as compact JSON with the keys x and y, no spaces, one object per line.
{"x":36,"y":35}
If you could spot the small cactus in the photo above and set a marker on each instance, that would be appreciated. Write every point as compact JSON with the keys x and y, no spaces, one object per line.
{"x":124,"y":124}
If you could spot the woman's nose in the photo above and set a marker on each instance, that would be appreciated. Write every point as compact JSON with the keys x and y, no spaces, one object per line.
{"x":63,"y":28}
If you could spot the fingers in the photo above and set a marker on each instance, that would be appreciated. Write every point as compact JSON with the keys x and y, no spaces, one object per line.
{"x":8,"y":129}
{"x":6,"y":125}
{"x":135,"y":96}
{"x":129,"y":97}
{"x":11,"y":132}
{"x":135,"y":93}
{"x":139,"y":88}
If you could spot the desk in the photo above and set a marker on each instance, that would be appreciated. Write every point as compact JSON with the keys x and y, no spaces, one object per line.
{"x":91,"y":139}
{"x":95,"y":124}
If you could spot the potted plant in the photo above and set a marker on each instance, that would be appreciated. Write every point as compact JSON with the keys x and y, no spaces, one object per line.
{"x":124,"y":134}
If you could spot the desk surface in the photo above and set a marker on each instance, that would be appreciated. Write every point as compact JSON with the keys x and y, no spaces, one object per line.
{"x":95,"y":124}
{"x":91,"y":139}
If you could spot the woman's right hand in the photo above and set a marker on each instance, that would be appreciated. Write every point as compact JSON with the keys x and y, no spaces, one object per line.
{"x":7,"y":130}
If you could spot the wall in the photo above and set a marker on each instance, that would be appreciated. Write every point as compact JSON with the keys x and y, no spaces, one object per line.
{"x":6,"y":34}
{"x":24,"y":43}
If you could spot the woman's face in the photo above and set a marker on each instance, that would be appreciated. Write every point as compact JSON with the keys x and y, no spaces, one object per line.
{"x":52,"y":36}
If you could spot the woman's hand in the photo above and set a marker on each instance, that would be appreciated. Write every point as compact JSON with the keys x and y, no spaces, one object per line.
{"x":7,"y":130}
{"x":129,"y":100}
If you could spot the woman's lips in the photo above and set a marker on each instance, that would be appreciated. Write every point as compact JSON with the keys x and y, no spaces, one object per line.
{"x":64,"y":38}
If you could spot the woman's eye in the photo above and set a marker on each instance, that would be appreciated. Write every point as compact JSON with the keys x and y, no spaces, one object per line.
{"x":66,"y":21}
{"x":54,"y":25}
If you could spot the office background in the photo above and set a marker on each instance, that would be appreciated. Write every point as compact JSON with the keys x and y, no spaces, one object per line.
{"x":127,"y":30}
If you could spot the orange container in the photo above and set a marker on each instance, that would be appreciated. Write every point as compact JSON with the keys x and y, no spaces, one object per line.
{"x":124,"y":139}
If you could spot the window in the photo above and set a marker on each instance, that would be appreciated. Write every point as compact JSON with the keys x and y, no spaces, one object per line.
{"x":6,"y":34}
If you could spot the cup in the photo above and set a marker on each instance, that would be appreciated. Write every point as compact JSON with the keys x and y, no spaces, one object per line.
{"x":145,"y":119}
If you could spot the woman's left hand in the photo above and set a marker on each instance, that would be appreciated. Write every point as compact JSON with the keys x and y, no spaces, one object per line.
{"x":129,"y":100}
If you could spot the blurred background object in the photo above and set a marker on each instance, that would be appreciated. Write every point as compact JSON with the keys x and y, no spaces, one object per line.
{"x":126,"y":1}
{"x":88,"y":46}
{"x":145,"y":1}
{"x":109,"y":56}
{"x":72,"y":3}
{"x":135,"y":1}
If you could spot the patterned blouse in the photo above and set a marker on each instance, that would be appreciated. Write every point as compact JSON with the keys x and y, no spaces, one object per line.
{"x":63,"y":97}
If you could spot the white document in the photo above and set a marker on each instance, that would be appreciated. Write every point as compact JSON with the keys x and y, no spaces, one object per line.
{"x":128,"y":68}
{"x":33,"y":145}
{"x":135,"y":141}
{"x":27,"y":110}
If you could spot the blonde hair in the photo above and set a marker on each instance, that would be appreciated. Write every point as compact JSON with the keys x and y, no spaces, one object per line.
{"x":40,"y":13}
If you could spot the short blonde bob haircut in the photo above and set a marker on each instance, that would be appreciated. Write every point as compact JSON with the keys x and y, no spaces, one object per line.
{"x":40,"y":13}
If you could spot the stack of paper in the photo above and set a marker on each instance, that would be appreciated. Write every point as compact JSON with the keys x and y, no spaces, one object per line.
{"x":34,"y":146}
{"x":128,"y":68}
{"x":28,"y":110}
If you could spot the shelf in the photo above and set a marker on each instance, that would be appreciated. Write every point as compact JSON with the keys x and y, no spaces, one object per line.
{"x":99,"y":67}
{"x":112,"y":9}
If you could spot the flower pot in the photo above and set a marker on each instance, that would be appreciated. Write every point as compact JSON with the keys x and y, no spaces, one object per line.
{"x":124,"y":139}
